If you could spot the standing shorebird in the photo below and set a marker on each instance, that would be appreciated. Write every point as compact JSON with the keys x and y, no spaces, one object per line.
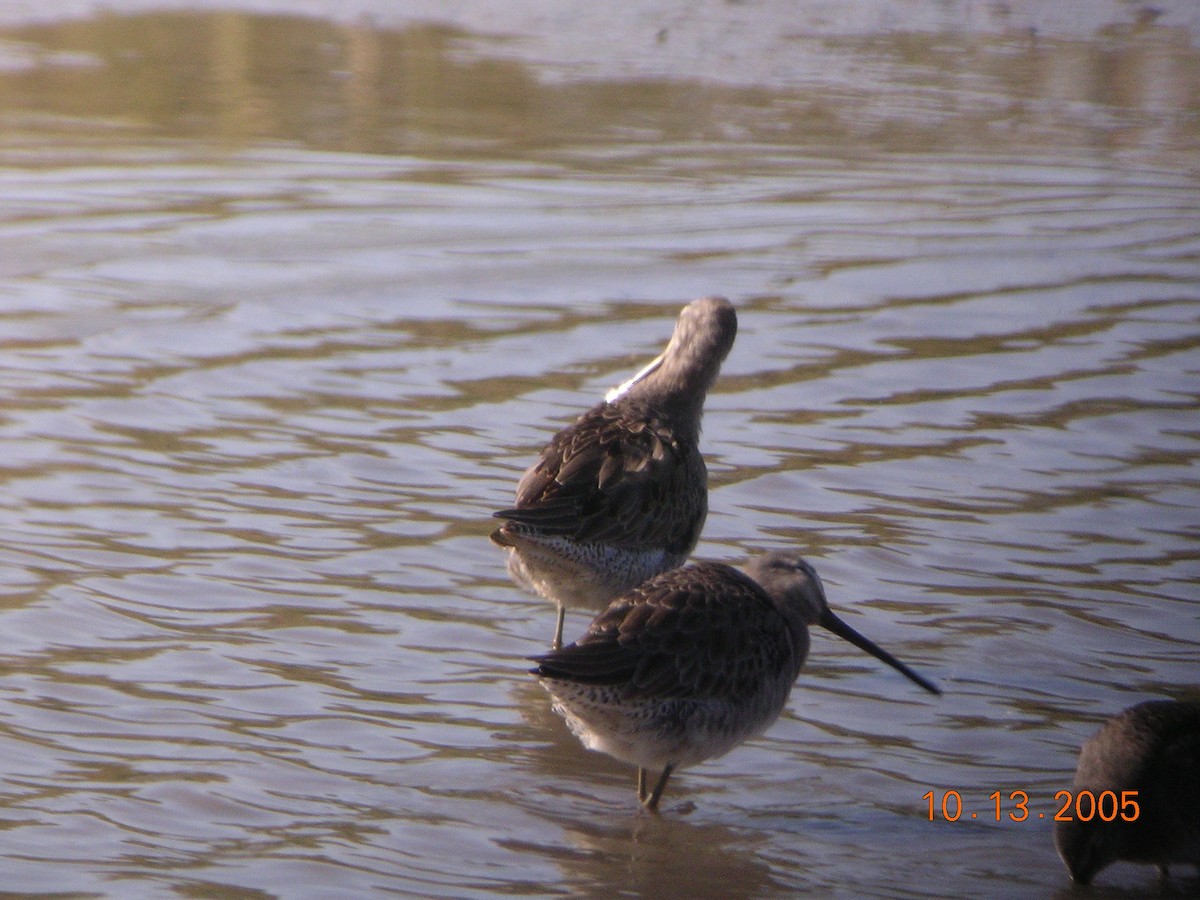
{"x":622,"y":493}
{"x":693,"y":662}
{"x":1148,"y":758}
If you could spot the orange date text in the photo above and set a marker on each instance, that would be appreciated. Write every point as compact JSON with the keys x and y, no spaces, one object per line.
{"x":1083,"y":805}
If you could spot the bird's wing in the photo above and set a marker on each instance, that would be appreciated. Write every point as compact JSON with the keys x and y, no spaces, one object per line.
{"x":616,"y":476}
{"x":702,"y":630}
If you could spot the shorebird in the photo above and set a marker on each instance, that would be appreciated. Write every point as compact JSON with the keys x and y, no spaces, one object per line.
{"x":622,"y":493}
{"x":693,"y":662}
{"x":1148,"y":755}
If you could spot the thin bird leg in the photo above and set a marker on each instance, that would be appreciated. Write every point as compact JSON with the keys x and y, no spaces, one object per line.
{"x":642,"y":785}
{"x":651,"y":803}
{"x":556,"y":644}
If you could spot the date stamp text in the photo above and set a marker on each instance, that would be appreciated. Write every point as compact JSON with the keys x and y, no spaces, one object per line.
{"x":1082,"y":805}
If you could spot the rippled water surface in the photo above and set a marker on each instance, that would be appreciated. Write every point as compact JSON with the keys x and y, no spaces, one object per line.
{"x":287,"y":305}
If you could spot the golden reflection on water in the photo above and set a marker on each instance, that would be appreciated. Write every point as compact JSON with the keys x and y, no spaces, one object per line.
{"x":242,"y":79}
{"x":287,"y":305}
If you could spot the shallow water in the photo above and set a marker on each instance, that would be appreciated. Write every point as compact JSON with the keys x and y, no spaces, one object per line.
{"x":287,"y":305}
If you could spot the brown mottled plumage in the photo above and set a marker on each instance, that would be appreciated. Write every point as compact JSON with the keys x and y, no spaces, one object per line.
{"x":622,"y":493}
{"x":1152,"y":748}
{"x":693,"y":662}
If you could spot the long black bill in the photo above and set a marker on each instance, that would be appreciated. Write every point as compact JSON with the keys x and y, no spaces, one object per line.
{"x":830,"y":622}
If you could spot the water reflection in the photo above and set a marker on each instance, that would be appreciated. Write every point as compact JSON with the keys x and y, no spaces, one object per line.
{"x":437,"y":90}
{"x":612,"y":846}
{"x":285,"y":306}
